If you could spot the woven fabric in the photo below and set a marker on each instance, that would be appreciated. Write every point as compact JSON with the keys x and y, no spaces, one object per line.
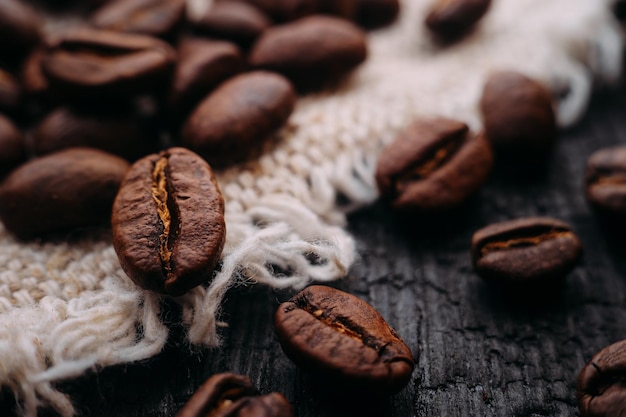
{"x":67,"y":307}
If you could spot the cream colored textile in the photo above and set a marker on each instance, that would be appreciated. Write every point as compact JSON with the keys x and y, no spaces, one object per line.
{"x":65,"y":308}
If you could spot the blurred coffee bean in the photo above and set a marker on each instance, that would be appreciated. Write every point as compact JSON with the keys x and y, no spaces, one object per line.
{"x":346,"y":9}
{"x":235,"y":120}
{"x":117,"y":132}
{"x":235,"y":21}
{"x":449,"y":20}
{"x":12,"y":149}
{"x":374,"y":14}
{"x":518,"y":116}
{"x":10,"y":92}
{"x":59,"y":192}
{"x":605,"y":181}
{"x":312,"y":52}
{"x":202,"y":65}
{"x":433,"y":165}
{"x":33,"y":80}
{"x":93,"y":63}
{"x":231,"y":395}
{"x":286,"y":10}
{"x":146,"y":17}
{"x":19,"y":28}
{"x":530,"y":254}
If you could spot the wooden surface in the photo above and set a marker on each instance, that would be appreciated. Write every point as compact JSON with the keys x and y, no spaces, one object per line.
{"x":476,"y":353}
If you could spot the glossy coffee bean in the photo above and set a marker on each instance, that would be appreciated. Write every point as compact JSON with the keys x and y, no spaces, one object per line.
{"x":450,"y":19}
{"x":231,"y":395}
{"x":600,"y":389}
{"x":202,"y":65}
{"x":235,"y":21}
{"x":146,"y":17}
{"x":236,"y":119}
{"x":373,"y":14}
{"x":434,"y":164}
{"x":59,"y":192}
{"x":10,"y":92}
{"x":168,"y":222}
{"x":343,"y":339}
{"x":526,"y":253}
{"x":12,"y":149}
{"x":93,"y":63}
{"x":115,"y":132}
{"x":605,"y":181}
{"x":19,"y":28}
{"x":286,"y":10}
{"x":312,"y":52}
{"x":518,"y":116}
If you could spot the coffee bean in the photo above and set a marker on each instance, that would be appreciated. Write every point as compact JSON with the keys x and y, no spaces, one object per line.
{"x":434,"y":164}
{"x":605,"y":181}
{"x":346,"y":9}
{"x":373,"y":14}
{"x":94,"y":63}
{"x":231,"y":395}
{"x":235,"y":21}
{"x":202,"y":65}
{"x":337,"y":335}
{"x":116,"y":132}
{"x":528,"y":253}
{"x":59,"y":192}
{"x":146,"y":17}
{"x":168,"y":222}
{"x":450,"y":19}
{"x":600,"y":389}
{"x":11,"y":146}
{"x":33,"y":80}
{"x":312,"y":52}
{"x":19,"y":28}
{"x":236,"y":119}
{"x":286,"y":10}
{"x":518,"y":116}
{"x":10,"y":92}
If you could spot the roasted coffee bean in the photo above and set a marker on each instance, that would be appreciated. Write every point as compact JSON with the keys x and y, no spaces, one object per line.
{"x":33,"y":80}
{"x":236,"y":119}
{"x":433,"y":165}
{"x":202,"y":65}
{"x":116,"y":132}
{"x":19,"y":28}
{"x":527,"y":253}
{"x":373,"y":14}
{"x":11,"y":146}
{"x":337,"y":335}
{"x":312,"y":52}
{"x":600,"y":389}
{"x":605,"y":181}
{"x":346,"y":9}
{"x":286,"y":10}
{"x":59,"y":192}
{"x":145,"y":17}
{"x":168,"y":222}
{"x":10,"y":92}
{"x":235,"y":21}
{"x":231,"y":395}
{"x":95,"y":63}
{"x":517,"y":114}
{"x":450,"y":19}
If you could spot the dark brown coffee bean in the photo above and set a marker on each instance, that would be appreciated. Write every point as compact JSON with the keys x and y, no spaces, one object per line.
{"x":19,"y":28}
{"x":312,"y":52}
{"x":168,"y":222}
{"x":96,"y":63}
{"x":373,"y":14}
{"x":434,"y":164}
{"x":146,"y":17}
{"x":238,"y":117}
{"x":230,"y":395}
{"x":526,"y":253}
{"x":517,"y":115}
{"x":605,"y":181}
{"x":337,"y":335}
{"x":61,"y":191}
{"x":33,"y":80}
{"x":115,"y":132}
{"x":11,"y":146}
{"x":346,"y":9}
{"x":600,"y":389}
{"x":286,"y":10}
{"x":10,"y":92}
{"x":235,"y":21}
{"x":450,"y":19}
{"x":202,"y":65}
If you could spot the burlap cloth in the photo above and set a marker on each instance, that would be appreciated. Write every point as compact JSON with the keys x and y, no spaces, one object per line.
{"x":67,"y":307}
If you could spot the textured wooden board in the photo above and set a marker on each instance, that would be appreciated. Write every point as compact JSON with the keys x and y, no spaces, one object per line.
{"x":477,"y":354}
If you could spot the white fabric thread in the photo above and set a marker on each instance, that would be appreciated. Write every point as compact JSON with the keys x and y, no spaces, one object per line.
{"x":68,"y":307}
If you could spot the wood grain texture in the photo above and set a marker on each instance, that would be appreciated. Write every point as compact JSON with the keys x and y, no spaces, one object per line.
{"x":476,"y":353}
